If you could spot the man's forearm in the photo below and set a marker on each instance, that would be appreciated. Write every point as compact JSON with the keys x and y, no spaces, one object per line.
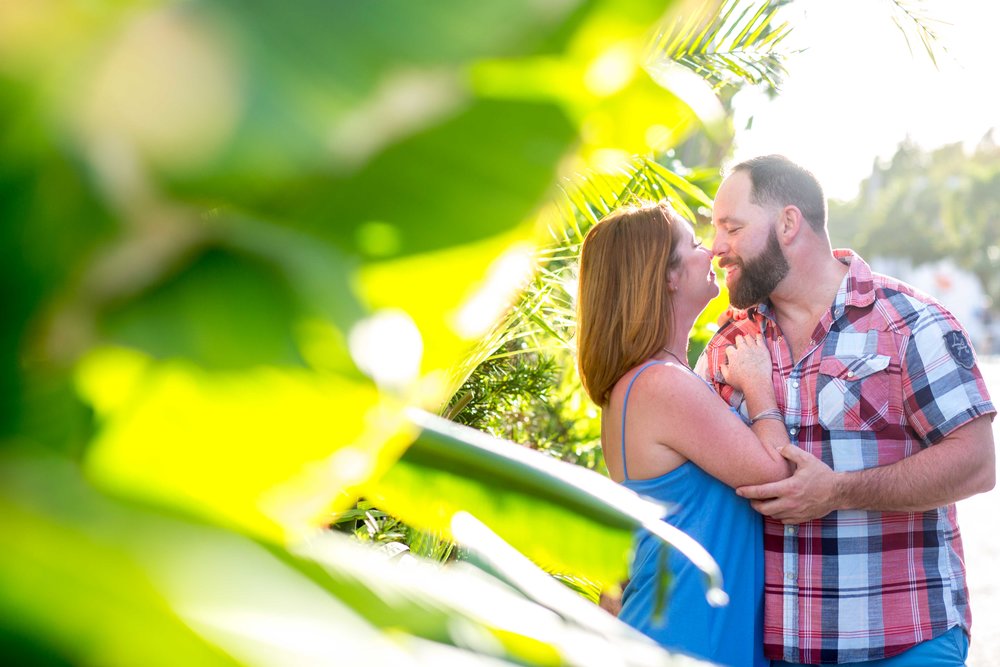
{"x":961,"y":465}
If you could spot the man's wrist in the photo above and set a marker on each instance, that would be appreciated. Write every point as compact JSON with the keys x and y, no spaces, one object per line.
{"x":841,"y":485}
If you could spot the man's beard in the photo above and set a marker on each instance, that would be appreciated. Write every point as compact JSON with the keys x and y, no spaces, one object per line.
{"x":759,"y":275}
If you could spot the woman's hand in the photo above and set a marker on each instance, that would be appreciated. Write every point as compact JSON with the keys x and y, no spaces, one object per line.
{"x":748,"y":363}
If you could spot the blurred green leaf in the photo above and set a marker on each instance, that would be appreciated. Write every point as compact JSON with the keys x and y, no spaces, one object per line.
{"x":427,"y":192}
{"x":85,"y":599}
{"x":155,"y":589}
{"x":249,"y":235}
{"x":309,"y":86}
{"x":222,"y":311}
{"x":457,"y":604}
{"x":52,"y":221}
{"x":267,"y":450}
{"x":522,"y":495}
{"x":451,"y":314}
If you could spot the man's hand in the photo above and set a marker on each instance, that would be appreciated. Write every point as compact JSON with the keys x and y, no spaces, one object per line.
{"x":810,"y":493}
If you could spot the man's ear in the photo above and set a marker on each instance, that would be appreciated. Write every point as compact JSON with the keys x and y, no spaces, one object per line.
{"x":790,"y":223}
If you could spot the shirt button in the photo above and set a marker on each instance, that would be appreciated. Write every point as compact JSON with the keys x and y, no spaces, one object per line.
{"x":850,"y":374}
{"x":792,"y":430}
{"x":812,"y":342}
{"x":790,"y":530}
{"x":790,"y":576}
{"x":795,"y":384}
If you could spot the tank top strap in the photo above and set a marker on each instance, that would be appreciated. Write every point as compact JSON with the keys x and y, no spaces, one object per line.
{"x":628,"y":390}
{"x":703,"y":380}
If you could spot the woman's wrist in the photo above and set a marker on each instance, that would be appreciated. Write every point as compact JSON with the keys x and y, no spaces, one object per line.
{"x":769,"y":413}
{"x":760,"y":398}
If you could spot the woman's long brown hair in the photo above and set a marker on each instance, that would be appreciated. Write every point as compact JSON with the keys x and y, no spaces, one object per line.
{"x":624,"y":308}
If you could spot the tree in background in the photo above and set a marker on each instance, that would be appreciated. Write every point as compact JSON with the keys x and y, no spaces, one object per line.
{"x":927,"y":205}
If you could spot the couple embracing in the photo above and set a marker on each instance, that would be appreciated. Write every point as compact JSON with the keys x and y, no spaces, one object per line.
{"x":816,"y":451}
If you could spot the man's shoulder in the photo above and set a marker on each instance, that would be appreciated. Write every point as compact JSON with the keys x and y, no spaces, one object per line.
{"x":888,"y":287}
{"x":891,"y":299}
{"x":907,"y":304}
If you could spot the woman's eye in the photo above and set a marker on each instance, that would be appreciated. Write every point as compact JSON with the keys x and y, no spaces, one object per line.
{"x":698,"y":242}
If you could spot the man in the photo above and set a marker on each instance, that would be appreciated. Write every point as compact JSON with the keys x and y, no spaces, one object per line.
{"x":890,"y":424}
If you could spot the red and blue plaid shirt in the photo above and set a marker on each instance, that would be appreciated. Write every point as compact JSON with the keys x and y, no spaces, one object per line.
{"x":889,"y":372}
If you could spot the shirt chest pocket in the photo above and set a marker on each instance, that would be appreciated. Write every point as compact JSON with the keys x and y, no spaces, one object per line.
{"x":852,"y":392}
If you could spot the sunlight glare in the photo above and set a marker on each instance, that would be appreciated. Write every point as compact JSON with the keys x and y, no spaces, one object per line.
{"x":841,"y":108}
{"x":504,"y":279}
{"x":611,"y":71}
{"x":387,"y":347}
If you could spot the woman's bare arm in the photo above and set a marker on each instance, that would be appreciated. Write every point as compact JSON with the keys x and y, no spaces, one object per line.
{"x":748,"y":370}
{"x":675,"y":408}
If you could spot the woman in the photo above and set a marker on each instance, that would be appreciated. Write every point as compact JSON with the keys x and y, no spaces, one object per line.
{"x":665,"y":433}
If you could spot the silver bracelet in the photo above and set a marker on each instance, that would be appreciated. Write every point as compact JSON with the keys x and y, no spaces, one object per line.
{"x":770,"y":413}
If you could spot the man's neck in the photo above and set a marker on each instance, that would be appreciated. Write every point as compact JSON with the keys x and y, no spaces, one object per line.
{"x":808,"y":291}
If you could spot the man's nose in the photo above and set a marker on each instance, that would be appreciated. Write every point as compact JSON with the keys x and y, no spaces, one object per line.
{"x":719,"y":246}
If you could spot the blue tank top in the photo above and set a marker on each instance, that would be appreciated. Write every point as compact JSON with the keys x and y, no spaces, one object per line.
{"x":725,"y":524}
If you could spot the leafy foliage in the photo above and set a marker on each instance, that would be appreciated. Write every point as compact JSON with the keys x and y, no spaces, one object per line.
{"x":371,"y":525}
{"x":532,"y":399}
{"x":245,"y":244}
{"x":925,"y":205}
{"x":543,"y":320}
{"x":728,"y":43}
{"x":916,"y":24}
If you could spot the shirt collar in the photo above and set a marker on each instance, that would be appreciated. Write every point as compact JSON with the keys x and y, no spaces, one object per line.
{"x":856,"y":290}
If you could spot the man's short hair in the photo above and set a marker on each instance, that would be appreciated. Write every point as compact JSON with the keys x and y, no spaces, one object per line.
{"x":776,"y":180}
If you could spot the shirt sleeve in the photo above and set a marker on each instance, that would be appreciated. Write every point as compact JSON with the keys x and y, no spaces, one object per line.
{"x":943,"y":387}
{"x":712,"y":357}
{"x":701,"y":367}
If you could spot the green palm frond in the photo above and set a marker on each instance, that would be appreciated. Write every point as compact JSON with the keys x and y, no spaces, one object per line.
{"x":726,"y":42}
{"x":587,"y":200}
{"x":913,"y":22}
{"x":642,"y":179}
{"x":546,"y":306}
{"x":543,"y":319}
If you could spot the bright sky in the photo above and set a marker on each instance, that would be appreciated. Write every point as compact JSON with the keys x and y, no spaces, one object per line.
{"x":857,"y":92}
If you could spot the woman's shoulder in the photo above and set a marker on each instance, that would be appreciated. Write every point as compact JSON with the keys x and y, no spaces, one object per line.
{"x":656,"y":377}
